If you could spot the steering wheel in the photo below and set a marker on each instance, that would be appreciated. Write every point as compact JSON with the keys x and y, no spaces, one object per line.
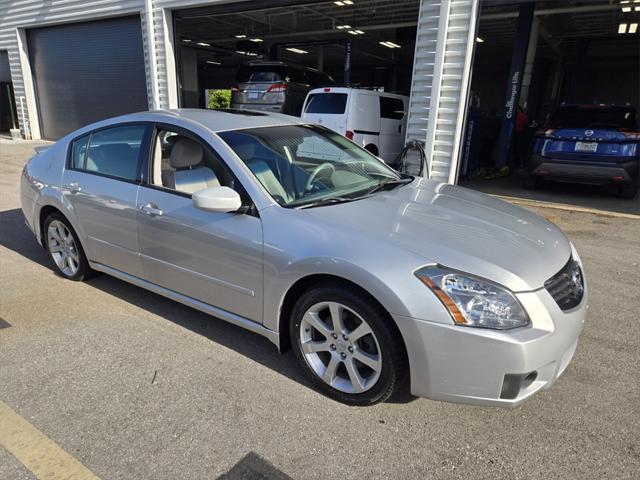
{"x":316,"y":174}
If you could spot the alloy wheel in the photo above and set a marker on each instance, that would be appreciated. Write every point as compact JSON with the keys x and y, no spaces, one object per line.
{"x":63,"y":248}
{"x":340,"y":347}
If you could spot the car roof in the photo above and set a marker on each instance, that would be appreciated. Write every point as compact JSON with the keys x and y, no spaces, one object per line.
{"x":215,"y":120}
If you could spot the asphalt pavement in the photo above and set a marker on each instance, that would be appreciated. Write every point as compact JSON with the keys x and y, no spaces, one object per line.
{"x":135,"y":386}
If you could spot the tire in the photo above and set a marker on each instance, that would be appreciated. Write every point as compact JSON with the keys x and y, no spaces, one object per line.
{"x":531,"y":182}
{"x":371,"y":148}
{"x":628,"y":191}
{"x":69,"y":260}
{"x":317,"y":346}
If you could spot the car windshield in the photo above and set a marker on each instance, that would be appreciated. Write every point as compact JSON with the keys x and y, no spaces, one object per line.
{"x":304,"y":165}
{"x":593,"y":116}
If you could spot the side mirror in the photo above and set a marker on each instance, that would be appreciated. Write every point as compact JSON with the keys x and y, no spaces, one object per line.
{"x":217,"y":199}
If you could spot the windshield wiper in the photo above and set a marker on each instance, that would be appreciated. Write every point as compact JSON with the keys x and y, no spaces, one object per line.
{"x":391,"y":184}
{"x":326,"y":201}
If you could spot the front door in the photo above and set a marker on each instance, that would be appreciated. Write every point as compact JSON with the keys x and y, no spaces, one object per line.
{"x":215,"y":258}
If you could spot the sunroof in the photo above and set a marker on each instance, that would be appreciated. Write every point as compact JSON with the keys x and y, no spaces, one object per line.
{"x":248,"y":113}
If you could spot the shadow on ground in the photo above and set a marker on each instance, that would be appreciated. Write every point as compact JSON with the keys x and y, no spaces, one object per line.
{"x":16,"y":236}
{"x":587,"y":196}
{"x":253,"y":467}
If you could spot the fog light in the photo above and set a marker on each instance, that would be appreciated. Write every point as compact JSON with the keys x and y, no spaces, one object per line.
{"x":514,"y":383}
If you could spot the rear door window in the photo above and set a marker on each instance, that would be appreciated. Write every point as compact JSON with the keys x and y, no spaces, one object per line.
{"x":115,"y":152}
{"x":332,"y":103}
{"x":392,"y":108}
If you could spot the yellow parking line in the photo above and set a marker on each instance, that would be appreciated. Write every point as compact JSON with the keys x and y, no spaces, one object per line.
{"x":36,"y":451}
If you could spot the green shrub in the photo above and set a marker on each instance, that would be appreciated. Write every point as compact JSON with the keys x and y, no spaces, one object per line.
{"x":219,"y":99}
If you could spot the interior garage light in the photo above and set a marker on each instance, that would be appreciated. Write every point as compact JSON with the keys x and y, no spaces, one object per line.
{"x":186,"y":40}
{"x":343,"y":27}
{"x":479,"y":40}
{"x":622,"y":28}
{"x":343,"y":3}
{"x":213,"y":63}
{"x":241,"y":36}
{"x":633,"y":28}
{"x":296,"y":50}
{"x":356,"y":32}
{"x":256,"y":40}
{"x":389,"y":44}
{"x":203,"y":44}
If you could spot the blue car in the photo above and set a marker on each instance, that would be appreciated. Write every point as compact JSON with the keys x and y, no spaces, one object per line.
{"x":589,"y":144}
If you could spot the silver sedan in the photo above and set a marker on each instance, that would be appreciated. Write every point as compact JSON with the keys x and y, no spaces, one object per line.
{"x":373,"y":278}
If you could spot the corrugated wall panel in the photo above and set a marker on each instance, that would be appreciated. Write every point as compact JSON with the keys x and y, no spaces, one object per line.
{"x":25,"y":14}
{"x":439,"y":85}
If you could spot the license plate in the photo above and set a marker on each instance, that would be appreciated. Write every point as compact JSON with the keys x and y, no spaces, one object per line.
{"x":586,"y":146}
{"x":253,"y":95}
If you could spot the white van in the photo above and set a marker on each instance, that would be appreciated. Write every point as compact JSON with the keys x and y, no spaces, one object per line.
{"x":374,"y":120}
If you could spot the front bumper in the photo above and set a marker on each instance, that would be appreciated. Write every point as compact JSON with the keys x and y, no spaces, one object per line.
{"x":479,"y":366}
{"x":599,"y":173}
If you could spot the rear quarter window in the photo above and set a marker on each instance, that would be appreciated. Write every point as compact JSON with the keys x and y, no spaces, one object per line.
{"x":79,"y":152}
{"x":331,"y":103}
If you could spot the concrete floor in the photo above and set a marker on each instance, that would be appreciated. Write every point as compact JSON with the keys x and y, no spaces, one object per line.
{"x":137,"y":387}
{"x":585,"y":196}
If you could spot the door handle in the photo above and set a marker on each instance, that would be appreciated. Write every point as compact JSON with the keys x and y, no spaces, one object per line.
{"x":400,"y":128}
{"x":151,"y":210}
{"x":74,"y":187}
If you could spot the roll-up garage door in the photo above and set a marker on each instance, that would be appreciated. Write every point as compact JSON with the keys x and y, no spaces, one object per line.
{"x":86,"y":72}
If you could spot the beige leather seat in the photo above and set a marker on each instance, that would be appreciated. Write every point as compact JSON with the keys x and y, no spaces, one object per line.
{"x":190,"y":175}
{"x":262,"y":171}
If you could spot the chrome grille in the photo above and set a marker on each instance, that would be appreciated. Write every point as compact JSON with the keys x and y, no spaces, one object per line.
{"x":567,"y":286}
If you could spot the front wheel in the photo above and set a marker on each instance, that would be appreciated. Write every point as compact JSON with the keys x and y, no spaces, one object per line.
{"x":64,"y":249}
{"x":347,"y":346}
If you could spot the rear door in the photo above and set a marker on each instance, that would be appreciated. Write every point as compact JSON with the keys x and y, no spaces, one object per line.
{"x":327,"y":108}
{"x":590,"y":133}
{"x":392,"y":121}
{"x":100,"y":185}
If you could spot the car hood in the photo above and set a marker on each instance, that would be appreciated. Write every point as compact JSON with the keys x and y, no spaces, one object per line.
{"x":457,"y":228}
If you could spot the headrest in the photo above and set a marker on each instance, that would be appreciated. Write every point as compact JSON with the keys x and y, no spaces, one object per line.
{"x":185,"y":153}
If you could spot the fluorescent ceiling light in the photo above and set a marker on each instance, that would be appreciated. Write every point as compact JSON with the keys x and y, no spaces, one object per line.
{"x":622,"y":28}
{"x":296,"y":50}
{"x":343,"y":3}
{"x":203,"y":44}
{"x":637,"y":9}
{"x":186,"y":40}
{"x":479,"y":40}
{"x":633,"y":28}
{"x":343,"y":27}
{"x":213,"y":63}
{"x":241,"y":36}
{"x":356,"y":32}
{"x":389,"y":44}
{"x":249,"y":54}
{"x":257,"y":40}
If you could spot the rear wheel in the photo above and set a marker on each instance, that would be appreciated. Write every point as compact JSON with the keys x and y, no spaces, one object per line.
{"x":371,"y":148}
{"x":64,"y":248}
{"x":347,"y":346}
{"x":531,"y":182}
{"x":628,"y":191}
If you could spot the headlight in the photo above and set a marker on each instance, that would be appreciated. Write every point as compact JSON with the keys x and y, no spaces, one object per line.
{"x":473,"y":302}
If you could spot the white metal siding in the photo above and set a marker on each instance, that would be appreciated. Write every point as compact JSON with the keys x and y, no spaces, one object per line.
{"x":444,"y":42}
{"x":445,"y":35}
{"x":24,"y":14}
